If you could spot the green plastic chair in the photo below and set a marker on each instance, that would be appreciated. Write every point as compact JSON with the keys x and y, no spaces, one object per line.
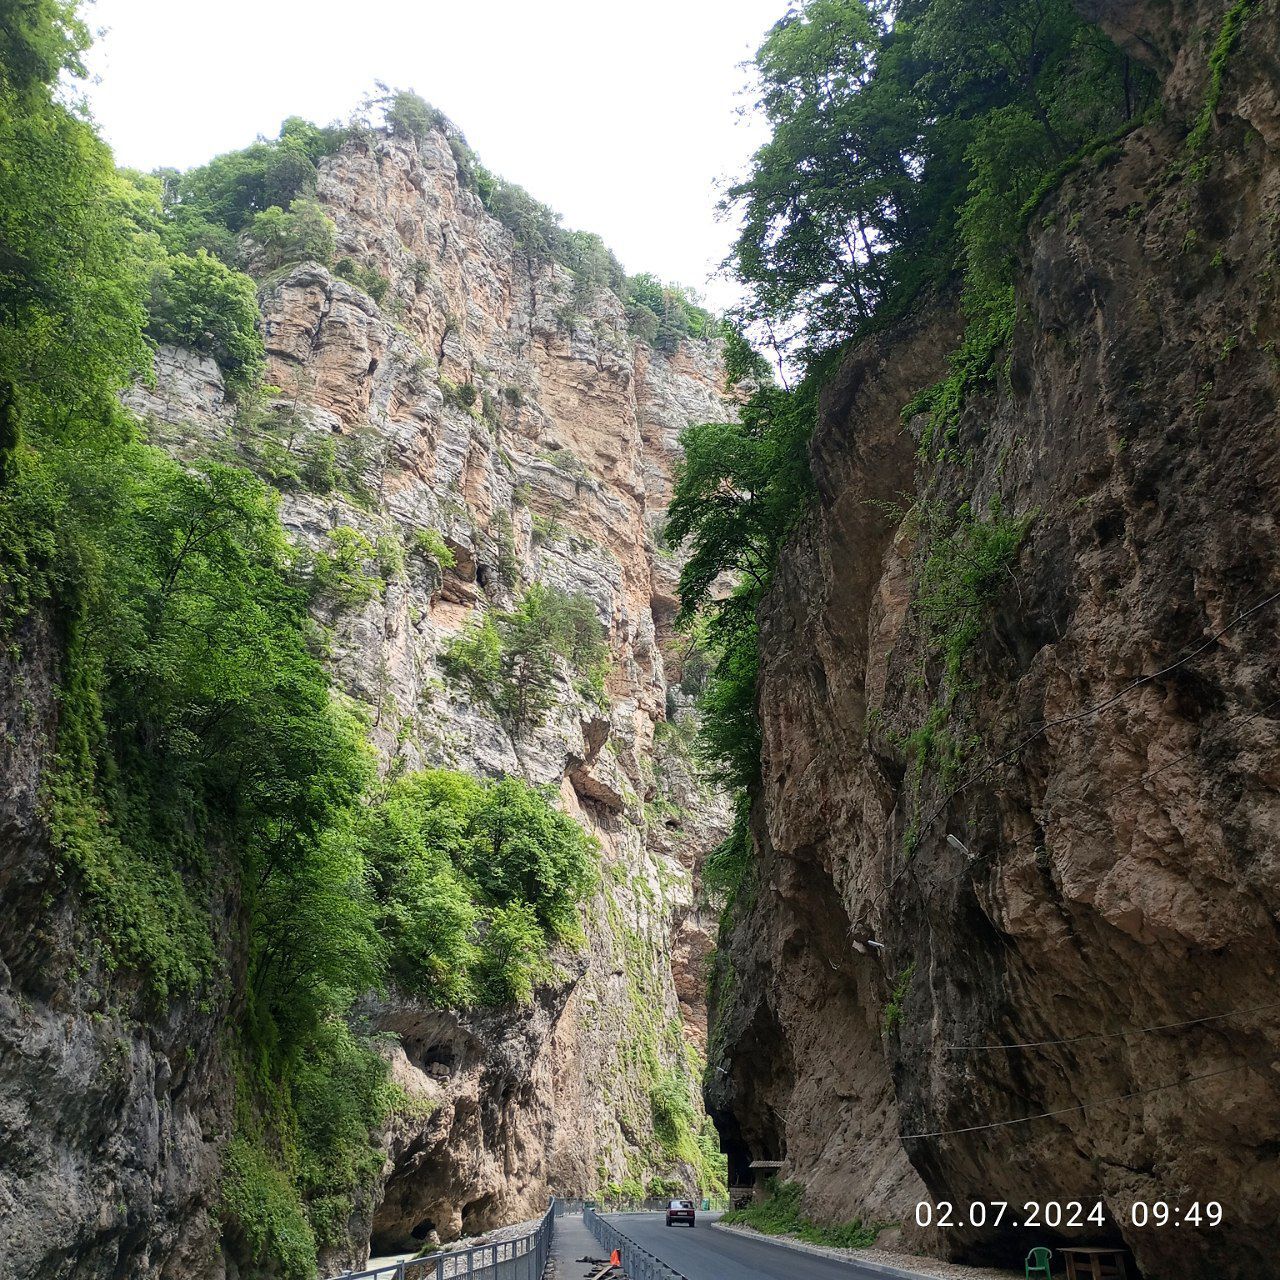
{"x":1037,"y":1263}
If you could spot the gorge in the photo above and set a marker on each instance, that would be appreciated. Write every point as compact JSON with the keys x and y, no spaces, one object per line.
{"x":475,"y":728}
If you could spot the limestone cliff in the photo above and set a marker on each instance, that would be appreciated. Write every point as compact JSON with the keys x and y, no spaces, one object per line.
{"x":1108,"y":767}
{"x":482,"y":427}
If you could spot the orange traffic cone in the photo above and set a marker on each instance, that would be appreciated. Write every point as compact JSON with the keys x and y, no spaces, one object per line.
{"x":615,"y":1259}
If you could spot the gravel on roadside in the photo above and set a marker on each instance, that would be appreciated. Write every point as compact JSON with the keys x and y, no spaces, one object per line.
{"x":926,"y":1268}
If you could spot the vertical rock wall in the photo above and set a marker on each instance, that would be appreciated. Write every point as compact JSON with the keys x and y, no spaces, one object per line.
{"x":556,"y":469}
{"x":1108,"y":766}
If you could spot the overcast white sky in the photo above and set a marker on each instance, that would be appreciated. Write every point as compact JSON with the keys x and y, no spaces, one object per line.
{"x":620,"y":116}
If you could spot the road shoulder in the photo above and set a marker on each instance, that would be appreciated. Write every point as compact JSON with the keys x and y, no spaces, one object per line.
{"x":893,"y":1266}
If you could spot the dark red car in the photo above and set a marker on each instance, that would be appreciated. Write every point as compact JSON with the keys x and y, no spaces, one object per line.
{"x":680,"y":1211}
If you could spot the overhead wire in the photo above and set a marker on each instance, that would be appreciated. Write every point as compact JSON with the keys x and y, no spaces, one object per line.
{"x":1011,"y":754}
{"x":1093,"y":809}
{"x":1071,"y":718}
{"x":1119,"y":1035}
{"x":1083,"y":1106}
{"x":1085,"y":712}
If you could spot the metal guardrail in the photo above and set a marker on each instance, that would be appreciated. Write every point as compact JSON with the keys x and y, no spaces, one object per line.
{"x":637,"y":1262}
{"x":523,"y":1258}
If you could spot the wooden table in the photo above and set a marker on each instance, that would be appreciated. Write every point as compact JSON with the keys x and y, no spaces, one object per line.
{"x":1094,"y":1264}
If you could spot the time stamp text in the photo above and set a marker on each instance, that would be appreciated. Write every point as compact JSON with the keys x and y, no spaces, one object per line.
{"x":1055,"y":1214}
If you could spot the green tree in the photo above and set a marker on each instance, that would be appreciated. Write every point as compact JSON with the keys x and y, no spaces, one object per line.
{"x":414,"y":839}
{"x":882,"y":133}
{"x":233,"y":187}
{"x":474,"y":880}
{"x":663,"y":314}
{"x":303,"y":234}
{"x":201,"y":303}
{"x":520,"y":849}
{"x":71,"y":301}
{"x":512,"y":957}
{"x":512,"y":659}
{"x":825,"y":196}
{"x":409,"y":116}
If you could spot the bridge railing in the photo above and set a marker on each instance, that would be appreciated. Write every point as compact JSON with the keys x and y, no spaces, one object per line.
{"x":522,"y":1258}
{"x":637,"y":1262}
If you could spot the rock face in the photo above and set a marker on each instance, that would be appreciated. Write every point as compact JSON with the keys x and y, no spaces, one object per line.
{"x":108,"y":1122}
{"x":486,"y":406}
{"x":1109,"y":763}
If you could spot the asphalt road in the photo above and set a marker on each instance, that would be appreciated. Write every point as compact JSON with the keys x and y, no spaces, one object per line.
{"x":703,"y":1254}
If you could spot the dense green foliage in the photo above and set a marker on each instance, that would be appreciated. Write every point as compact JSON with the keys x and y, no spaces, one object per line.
{"x":511,"y":658}
{"x":474,"y":880}
{"x":208,"y":205}
{"x":201,"y":758}
{"x":740,"y":489}
{"x":781,"y":1213}
{"x":938,"y":118}
{"x":71,"y":306}
{"x":201,"y":303}
{"x":662,"y":314}
{"x":303,"y":233}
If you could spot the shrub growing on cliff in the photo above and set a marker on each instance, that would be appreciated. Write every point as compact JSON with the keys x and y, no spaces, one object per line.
{"x":969,"y":561}
{"x":662,"y":314}
{"x":475,"y":880}
{"x":368,"y":278}
{"x":345,"y":572}
{"x":305,"y":233}
{"x":201,"y":303}
{"x":513,"y":956}
{"x":672,"y":1111}
{"x":511,"y":659}
{"x":431,"y":545}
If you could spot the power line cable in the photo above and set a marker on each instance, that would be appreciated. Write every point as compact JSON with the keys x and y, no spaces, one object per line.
{"x":1119,"y":1035}
{"x":1094,"y":809}
{"x":1084,"y":713}
{"x":1074,"y":716}
{"x":1083,"y":1106}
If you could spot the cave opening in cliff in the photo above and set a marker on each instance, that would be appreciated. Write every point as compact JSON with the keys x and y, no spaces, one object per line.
{"x":476,"y":1214}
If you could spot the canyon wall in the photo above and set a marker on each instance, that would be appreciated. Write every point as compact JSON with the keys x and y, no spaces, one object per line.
{"x":484,"y":427}
{"x":1070,"y":837}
